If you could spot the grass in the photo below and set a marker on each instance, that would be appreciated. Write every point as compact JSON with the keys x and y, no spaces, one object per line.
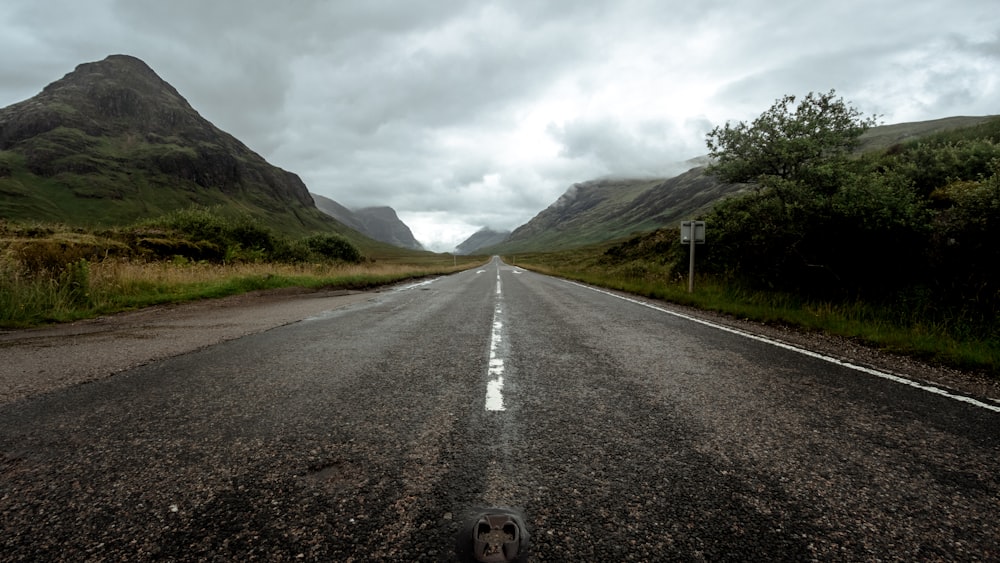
{"x":57,"y":273}
{"x":898,"y":329}
{"x":86,"y":290}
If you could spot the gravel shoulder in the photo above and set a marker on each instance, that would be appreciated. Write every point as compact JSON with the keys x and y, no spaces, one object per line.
{"x":45,"y":359}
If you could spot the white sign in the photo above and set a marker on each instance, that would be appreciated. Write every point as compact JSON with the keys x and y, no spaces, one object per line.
{"x":692,"y":233}
{"x":699,"y":232}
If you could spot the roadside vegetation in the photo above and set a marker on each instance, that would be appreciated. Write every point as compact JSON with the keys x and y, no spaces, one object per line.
{"x":54,"y":273}
{"x":896,"y":248}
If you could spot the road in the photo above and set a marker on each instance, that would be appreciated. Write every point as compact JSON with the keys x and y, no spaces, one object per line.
{"x":622,"y":431}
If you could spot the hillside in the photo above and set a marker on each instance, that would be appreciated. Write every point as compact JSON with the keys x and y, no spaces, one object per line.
{"x":379,"y":223}
{"x":884,"y":136}
{"x":608,"y":209}
{"x":382,"y":223}
{"x":482,"y":238}
{"x":602,"y":210}
{"x":111,"y":142}
{"x":587,"y":212}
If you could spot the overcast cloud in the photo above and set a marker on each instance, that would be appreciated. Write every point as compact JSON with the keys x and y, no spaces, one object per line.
{"x":468,"y":114}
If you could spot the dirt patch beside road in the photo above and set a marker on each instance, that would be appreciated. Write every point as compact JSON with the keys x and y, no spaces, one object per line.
{"x":49,"y":358}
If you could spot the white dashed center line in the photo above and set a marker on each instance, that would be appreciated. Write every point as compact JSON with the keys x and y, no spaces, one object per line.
{"x":494,"y":388}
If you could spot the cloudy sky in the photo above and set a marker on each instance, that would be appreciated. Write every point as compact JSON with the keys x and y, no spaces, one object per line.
{"x":468,"y":114}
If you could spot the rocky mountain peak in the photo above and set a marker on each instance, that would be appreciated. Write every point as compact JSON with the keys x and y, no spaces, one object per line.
{"x":120,"y":94}
{"x":113,"y":130}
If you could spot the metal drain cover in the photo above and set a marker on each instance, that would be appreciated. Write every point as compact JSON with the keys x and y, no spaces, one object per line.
{"x":493,"y":535}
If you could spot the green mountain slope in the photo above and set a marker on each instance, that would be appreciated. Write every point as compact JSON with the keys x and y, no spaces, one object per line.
{"x":111,"y":142}
{"x":603,"y":210}
{"x":587,"y":212}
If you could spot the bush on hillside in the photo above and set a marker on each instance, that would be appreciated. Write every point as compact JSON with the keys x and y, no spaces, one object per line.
{"x":333,"y":247}
{"x":200,"y":233}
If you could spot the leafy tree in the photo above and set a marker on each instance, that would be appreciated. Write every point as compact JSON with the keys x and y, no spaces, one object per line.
{"x":787,"y":143}
{"x":821,"y":222}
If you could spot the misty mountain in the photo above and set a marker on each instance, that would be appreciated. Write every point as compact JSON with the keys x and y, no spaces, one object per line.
{"x":379,"y":223}
{"x":606,"y":209}
{"x":111,"y":142}
{"x":481,"y":239}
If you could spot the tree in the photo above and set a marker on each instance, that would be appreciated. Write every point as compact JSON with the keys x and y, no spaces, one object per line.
{"x":811,"y":226}
{"x":786,"y":144}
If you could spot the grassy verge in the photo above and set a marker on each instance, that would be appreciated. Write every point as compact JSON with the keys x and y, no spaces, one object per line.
{"x":57,"y":273}
{"x":895,"y":329}
{"x":85,"y":290}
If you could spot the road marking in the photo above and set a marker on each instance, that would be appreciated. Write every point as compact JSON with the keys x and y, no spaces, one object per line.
{"x":418,"y":284}
{"x":494,"y":388}
{"x":810,"y":353}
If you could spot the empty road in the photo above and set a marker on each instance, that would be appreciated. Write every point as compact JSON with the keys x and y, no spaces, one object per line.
{"x":623,"y":432}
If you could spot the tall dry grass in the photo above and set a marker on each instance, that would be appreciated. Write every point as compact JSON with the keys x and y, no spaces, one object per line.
{"x":85,"y":289}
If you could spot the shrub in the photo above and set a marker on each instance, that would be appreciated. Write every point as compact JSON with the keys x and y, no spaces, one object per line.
{"x":197,"y":223}
{"x":205,"y":233}
{"x":292,"y":252}
{"x":250,"y":234}
{"x":333,"y":247}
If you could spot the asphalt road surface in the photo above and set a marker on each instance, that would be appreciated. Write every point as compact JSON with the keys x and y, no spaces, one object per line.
{"x":621,"y":431}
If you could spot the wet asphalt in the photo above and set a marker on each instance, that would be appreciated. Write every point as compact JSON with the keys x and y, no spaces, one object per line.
{"x":624,"y":434}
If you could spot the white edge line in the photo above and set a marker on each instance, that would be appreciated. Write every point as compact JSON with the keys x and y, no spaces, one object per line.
{"x":830,"y":359}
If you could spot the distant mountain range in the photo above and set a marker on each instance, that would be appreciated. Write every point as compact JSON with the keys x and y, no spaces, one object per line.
{"x":380,"y":223}
{"x":111,"y":143}
{"x":482,"y":238}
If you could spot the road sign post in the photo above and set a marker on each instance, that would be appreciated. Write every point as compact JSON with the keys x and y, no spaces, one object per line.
{"x":692,"y":233}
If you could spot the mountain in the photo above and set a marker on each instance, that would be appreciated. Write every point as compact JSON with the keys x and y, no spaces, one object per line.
{"x":111,"y":142}
{"x":585,"y":213}
{"x":382,"y":223}
{"x":481,"y":239}
{"x":674,"y":200}
{"x":337,"y":211}
{"x":602,"y":210}
{"x":379,"y":223}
